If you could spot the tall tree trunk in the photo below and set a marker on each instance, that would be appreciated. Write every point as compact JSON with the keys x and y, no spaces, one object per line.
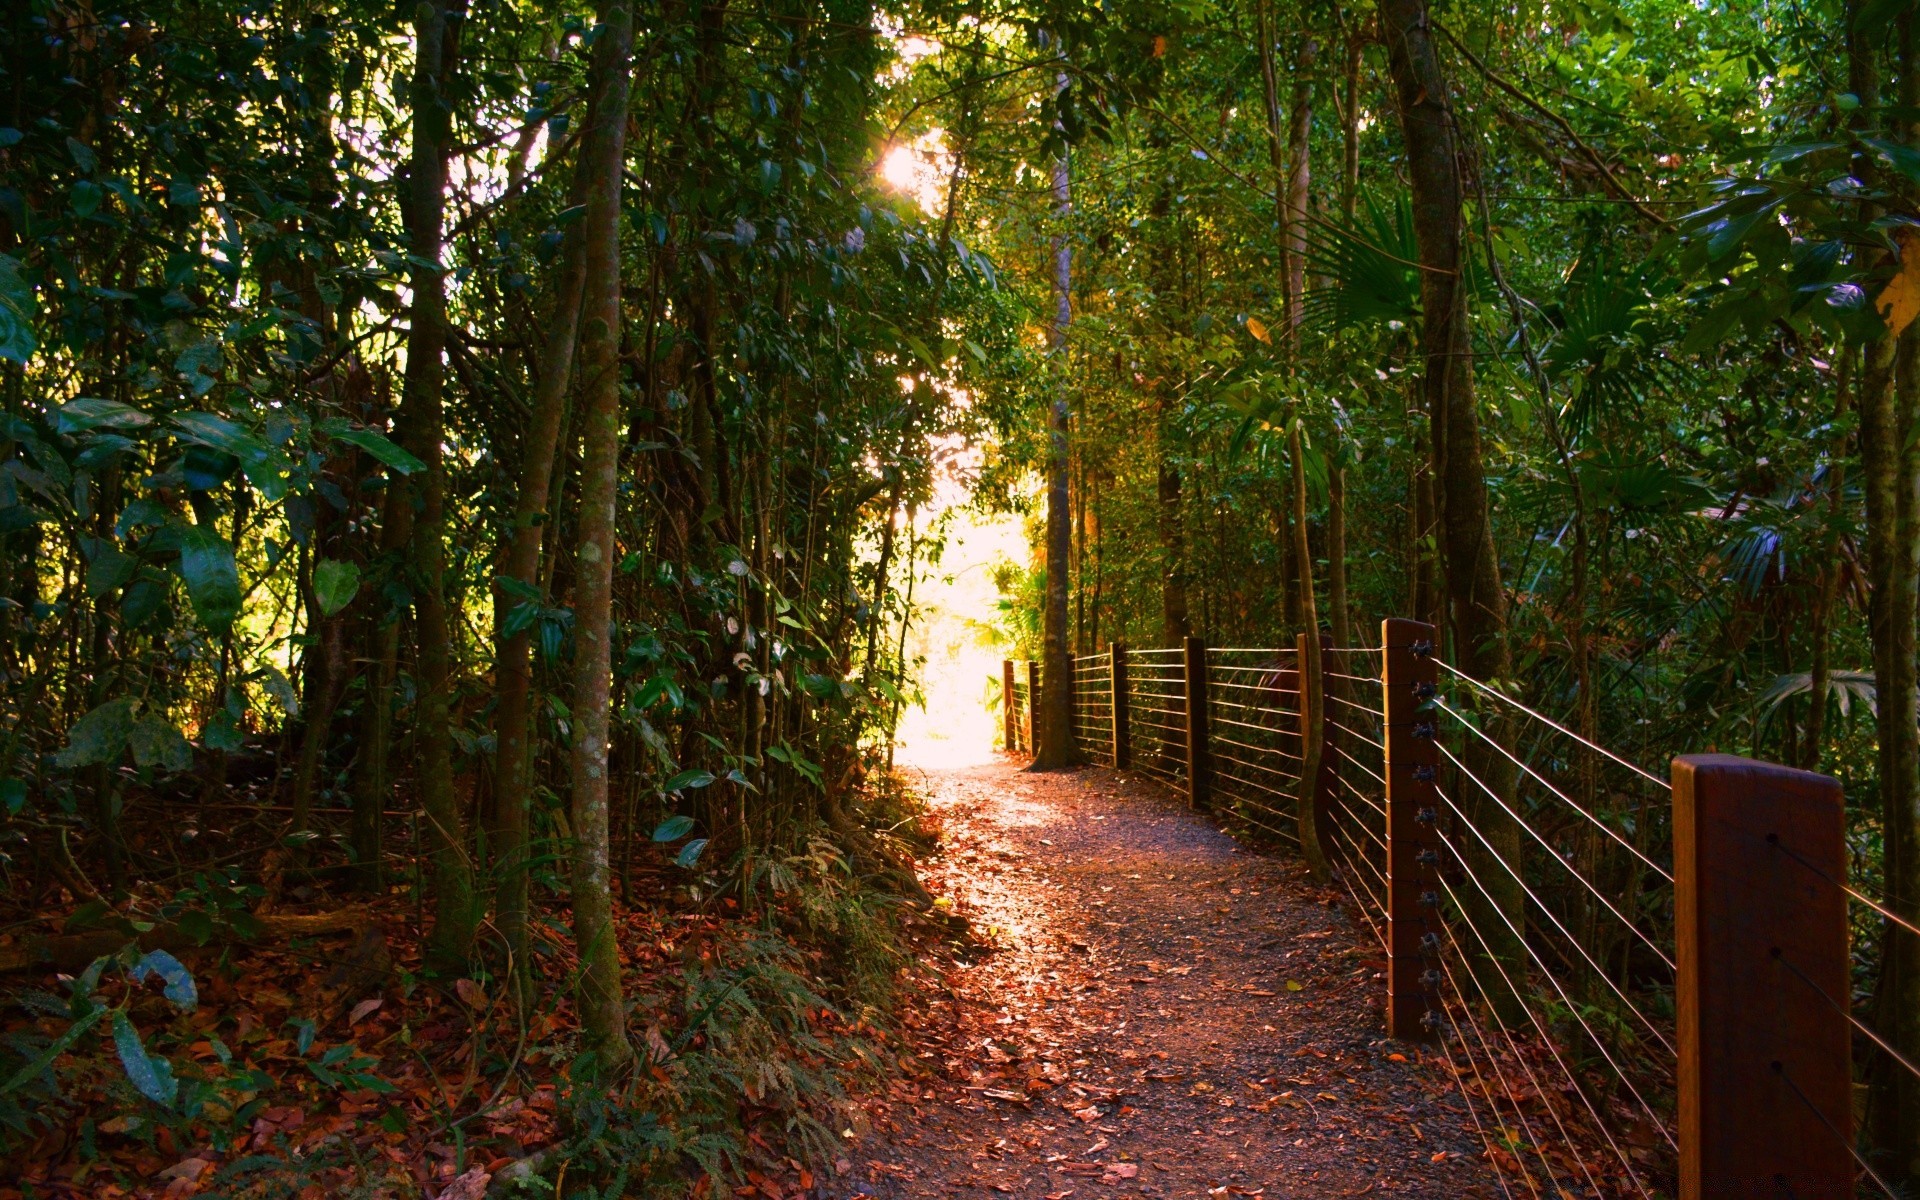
{"x":1292,"y":176}
{"x":1827,"y":589}
{"x":1889,"y":390}
{"x":519,"y":581}
{"x":1175,"y":624}
{"x":1336,"y":466}
{"x":603,"y":1018}
{"x":437,"y":41}
{"x":1477,"y":609}
{"x":1055,"y":750}
{"x":1342,"y":620}
{"x":1886,"y":395}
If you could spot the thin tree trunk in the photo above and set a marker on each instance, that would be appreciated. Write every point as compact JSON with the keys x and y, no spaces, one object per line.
{"x":1820,"y":691}
{"x":1054,"y":750}
{"x":1886,"y":396}
{"x":1477,"y":609}
{"x":513,"y":654}
{"x":437,"y":36}
{"x":603,"y":1020}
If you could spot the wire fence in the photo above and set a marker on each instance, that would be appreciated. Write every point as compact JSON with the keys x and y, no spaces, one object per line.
{"x":1532,"y":922}
{"x":1255,"y":746}
{"x":1093,"y":708}
{"x":1157,"y":713}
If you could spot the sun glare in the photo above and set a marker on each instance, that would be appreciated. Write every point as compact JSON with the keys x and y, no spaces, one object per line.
{"x":920,"y":169}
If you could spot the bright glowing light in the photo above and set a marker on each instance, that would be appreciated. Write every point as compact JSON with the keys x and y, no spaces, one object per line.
{"x":921,"y":169}
{"x":900,"y":167}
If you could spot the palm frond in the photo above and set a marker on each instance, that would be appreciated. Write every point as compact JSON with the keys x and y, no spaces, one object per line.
{"x":1845,"y":688}
{"x":1604,"y":350}
{"x":1370,"y":266}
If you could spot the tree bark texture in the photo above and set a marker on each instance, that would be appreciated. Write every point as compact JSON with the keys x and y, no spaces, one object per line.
{"x":513,"y":653}
{"x":1055,"y":743}
{"x":603,"y":1018}
{"x":1476,"y":605}
{"x":437,"y":34}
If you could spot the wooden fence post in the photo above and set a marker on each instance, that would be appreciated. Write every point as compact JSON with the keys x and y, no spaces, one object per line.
{"x":1009,"y":710}
{"x":1199,"y":793}
{"x":1033,"y":705}
{"x":1413,"y":845}
{"x":1315,"y":732}
{"x":1122,"y":749}
{"x":1766,"y":1088}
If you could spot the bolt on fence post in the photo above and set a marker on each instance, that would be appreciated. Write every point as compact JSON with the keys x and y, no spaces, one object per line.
{"x":1408,"y":684}
{"x":1033,"y":705}
{"x":1117,"y":693}
{"x":1199,"y":793}
{"x":1009,"y":711}
{"x":1766,"y":1086}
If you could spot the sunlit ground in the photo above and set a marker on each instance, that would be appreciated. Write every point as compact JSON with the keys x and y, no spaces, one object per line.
{"x":955,"y":609}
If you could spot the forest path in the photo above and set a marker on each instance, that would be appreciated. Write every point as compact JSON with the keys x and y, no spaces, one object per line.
{"x":1166,"y":1013}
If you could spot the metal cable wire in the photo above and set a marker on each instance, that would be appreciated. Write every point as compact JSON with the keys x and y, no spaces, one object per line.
{"x":1467,"y":822}
{"x":1379,"y":873}
{"x":1506,"y":1085}
{"x":1872,"y":1034}
{"x":1572,"y":1008}
{"x":1350,"y":878}
{"x":1546,"y":1038}
{"x":1363,"y":798}
{"x":1282,"y":834}
{"x":1542,"y":717}
{"x":1500,"y":1172}
{"x":1844,"y":1140}
{"x":1629,"y":847}
{"x":1870,"y":902}
{"x":1342,"y":752}
{"x":1548,"y":846}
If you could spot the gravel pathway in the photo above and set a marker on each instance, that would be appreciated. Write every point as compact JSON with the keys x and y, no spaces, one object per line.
{"x":1162,"y":1012}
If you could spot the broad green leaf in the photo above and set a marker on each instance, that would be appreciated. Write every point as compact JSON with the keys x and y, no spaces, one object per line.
{"x":223,"y":733}
{"x":41,"y":1061}
{"x":673,"y":828}
{"x":16,"y":313}
{"x":335,"y":584}
{"x":92,"y":412}
{"x":690,"y":853}
{"x":156,"y":743}
{"x":221,"y":434}
{"x":213,"y":582}
{"x":687,"y":779}
{"x":109,"y":570}
{"x":13,"y":795}
{"x":201,"y":363}
{"x":383,"y":450}
{"x":180,"y":986}
{"x":151,"y":1075}
{"x":277,"y":685}
{"x":98,"y":737}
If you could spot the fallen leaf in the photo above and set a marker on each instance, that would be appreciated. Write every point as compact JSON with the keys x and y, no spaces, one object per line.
{"x":1294,"y":985}
{"x":363,"y":1010}
{"x":1396,"y":1058}
{"x":471,"y":994}
{"x":186,"y":1168}
{"x":1118,"y":1171}
{"x":471,"y":1186}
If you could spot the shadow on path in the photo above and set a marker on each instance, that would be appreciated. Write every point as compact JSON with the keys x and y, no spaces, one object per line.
{"x":1166,"y":1013}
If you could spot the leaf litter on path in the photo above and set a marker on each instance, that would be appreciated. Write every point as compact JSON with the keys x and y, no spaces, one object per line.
{"x":1132,"y":1032}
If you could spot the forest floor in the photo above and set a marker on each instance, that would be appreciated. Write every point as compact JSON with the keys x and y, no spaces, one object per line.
{"x":1162,"y":1012}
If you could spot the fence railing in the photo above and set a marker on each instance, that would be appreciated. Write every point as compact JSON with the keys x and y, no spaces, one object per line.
{"x":1641,"y":984}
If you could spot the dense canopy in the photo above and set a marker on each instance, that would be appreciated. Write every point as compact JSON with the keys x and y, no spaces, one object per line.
{"x":470,"y":463}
